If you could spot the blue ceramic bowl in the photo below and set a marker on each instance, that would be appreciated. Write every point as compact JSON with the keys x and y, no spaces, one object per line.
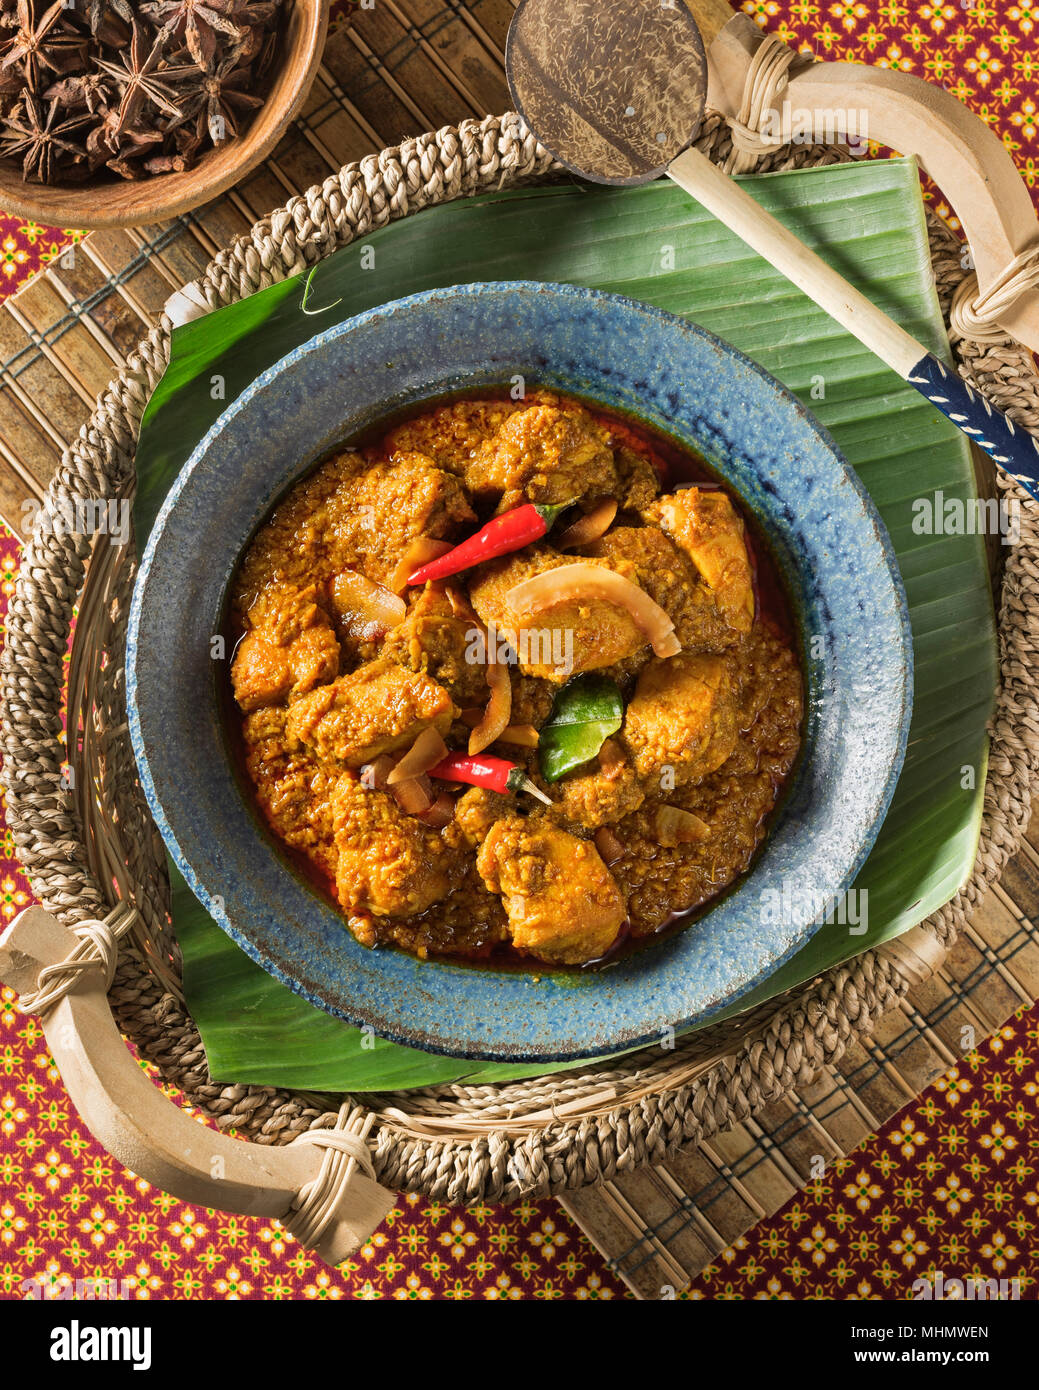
{"x":828,"y":541}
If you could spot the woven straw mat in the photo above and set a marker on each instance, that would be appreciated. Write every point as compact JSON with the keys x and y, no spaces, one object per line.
{"x":458,"y":1144}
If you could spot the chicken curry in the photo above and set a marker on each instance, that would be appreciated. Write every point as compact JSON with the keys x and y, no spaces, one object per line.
{"x":514,"y":679}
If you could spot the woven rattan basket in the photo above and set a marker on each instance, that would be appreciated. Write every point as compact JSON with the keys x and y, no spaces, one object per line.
{"x":88,"y":844}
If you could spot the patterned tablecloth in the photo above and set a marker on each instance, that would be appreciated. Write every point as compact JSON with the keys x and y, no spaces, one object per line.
{"x":949,"y":1185}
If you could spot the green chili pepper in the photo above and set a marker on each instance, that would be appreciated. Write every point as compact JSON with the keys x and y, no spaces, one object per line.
{"x":584,"y":714}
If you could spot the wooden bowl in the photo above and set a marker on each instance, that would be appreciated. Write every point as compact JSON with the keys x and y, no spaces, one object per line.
{"x":129,"y":203}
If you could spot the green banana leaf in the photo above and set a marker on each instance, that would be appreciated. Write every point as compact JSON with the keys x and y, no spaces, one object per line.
{"x":655,"y":244}
{"x":256,"y":1030}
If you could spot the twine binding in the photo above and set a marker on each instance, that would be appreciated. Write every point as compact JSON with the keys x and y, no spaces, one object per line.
{"x":766,"y":78}
{"x":97,"y":950}
{"x":453,"y":1143}
{"x":345,"y":1151}
{"x":976,"y":316}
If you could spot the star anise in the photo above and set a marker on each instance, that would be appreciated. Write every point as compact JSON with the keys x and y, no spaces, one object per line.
{"x":188,"y":139}
{"x":135,"y":146}
{"x":108,"y":145}
{"x":247,"y":14}
{"x":40,"y":142}
{"x":140,"y":83}
{"x":95,"y":12}
{"x":196,"y":21}
{"x":263,"y":63}
{"x":221,"y":100}
{"x":167,"y":164}
{"x":88,"y":86}
{"x":88,"y":89}
{"x":46,"y":40}
{"x":256,"y":19}
{"x":109,"y":21}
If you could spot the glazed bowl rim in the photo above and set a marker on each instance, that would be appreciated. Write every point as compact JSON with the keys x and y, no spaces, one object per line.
{"x":575,"y":298}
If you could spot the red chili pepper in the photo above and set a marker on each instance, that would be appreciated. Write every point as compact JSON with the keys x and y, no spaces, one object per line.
{"x":502,"y":535}
{"x":483,"y":770}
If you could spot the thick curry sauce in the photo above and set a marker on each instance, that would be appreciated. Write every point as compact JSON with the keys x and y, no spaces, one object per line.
{"x":340,"y":666}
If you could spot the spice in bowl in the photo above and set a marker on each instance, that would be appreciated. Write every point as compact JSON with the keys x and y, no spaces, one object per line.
{"x":139,"y":90}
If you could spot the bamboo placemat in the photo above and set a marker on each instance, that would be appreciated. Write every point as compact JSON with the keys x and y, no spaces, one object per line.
{"x":389,"y":72}
{"x":399,"y":69}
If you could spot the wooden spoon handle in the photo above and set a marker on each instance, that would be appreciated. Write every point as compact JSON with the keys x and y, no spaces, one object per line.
{"x":735,"y":208}
{"x":1014,"y":450}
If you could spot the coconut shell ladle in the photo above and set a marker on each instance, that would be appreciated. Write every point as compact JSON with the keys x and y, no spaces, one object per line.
{"x":615,"y":89}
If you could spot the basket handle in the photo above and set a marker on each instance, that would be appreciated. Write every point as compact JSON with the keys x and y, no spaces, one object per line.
{"x":155,"y":1139}
{"x":956,"y":148}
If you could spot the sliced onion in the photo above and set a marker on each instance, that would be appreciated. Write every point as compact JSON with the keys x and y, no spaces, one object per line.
{"x":499,"y":708}
{"x":609,"y":847}
{"x":427,"y":750}
{"x":365,"y":609}
{"x":441,"y":813}
{"x":414,"y":796}
{"x":376,"y":773}
{"x":419,"y":552}
{"x":677,"y":827}
{"x":521,"y":735}
{"x":589,"y":527}
{"x":581,"y":580}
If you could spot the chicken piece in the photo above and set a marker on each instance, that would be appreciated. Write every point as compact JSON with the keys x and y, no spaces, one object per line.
{"x":681,"y":723}
{"x":282,"y":610}
{"x":710,"y":530}
{"x":562,"y":902}
{"x":477,"y":810}
{"x":531,"y":700}
{"x":293,"y":546}
{"x":376,"y":709}
{"x":544,"y":454}
{"x":290,"y":648}
{"x":639,"y":481}
{"x":389,"y":863}
{"x":377,"y":511}
{"x":260,"y":673}
{"x":556,"y":642}
{"x":314,"y":658}
{"x":651,"y":559}
{"x":451,"y":435}
{"x":432,"y":639}
{"x":293,"y":792}
{"x":603,"y":795}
